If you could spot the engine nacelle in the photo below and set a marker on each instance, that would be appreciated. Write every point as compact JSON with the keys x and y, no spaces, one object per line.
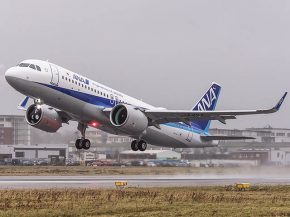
{"x":44,"y":118}
{"x":129,"y":119}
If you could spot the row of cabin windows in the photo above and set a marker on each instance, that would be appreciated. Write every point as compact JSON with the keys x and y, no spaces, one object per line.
{"x":36,"y":67}
{"x":87,"y":87}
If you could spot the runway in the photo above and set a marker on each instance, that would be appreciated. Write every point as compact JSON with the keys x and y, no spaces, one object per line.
{"x":43,"y":182}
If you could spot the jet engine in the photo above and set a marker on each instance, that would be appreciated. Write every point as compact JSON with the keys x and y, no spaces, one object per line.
{"x":129,"y":119}
{"x":44,"y":118}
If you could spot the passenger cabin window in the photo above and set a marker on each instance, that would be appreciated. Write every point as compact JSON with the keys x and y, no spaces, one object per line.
{"x":38,"y":68}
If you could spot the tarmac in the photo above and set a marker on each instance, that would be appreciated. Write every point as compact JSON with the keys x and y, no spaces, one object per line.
{"x":107,"y":182}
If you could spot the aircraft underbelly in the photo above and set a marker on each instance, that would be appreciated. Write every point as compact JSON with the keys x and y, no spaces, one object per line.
{"x":170,"y":137}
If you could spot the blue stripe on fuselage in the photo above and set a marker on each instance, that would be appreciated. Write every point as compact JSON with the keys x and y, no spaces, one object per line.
{"x":185,"y":127}
{"x":108,"y":103}
{"x":88,"y":98}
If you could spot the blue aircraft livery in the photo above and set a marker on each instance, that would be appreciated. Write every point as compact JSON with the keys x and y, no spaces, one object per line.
{"x":81,"y":79}
{"x":207,"y":103}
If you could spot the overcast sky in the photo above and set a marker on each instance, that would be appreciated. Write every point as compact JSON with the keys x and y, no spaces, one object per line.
{"x":165,"y":52}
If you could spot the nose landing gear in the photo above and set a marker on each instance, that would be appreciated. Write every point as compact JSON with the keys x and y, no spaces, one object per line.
{"x":82,"y":143}
{"x":138,"y":145}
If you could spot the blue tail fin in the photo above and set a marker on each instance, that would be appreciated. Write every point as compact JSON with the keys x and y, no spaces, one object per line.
{"x":206,"y":103}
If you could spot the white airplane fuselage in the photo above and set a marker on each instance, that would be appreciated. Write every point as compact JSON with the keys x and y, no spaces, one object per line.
{"x":85,"y":99}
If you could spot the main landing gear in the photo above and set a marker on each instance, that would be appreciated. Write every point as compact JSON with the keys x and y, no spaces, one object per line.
{"x":138,"y":145}
{"x":83,"y":143}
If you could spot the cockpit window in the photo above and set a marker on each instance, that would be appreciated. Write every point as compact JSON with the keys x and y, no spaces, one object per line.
{"x":32,"y":66}
{"x":24,"y":64}
{"x":36,"y":67}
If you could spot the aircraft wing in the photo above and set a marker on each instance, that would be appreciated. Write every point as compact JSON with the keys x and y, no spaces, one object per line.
{"x":166,"y":116}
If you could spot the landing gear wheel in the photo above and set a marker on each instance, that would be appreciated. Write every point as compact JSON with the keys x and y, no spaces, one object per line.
{"x":142,"y":145}
{"x":134,"y":145}
{"x":86,"y":144}
{"x":78,"y":144}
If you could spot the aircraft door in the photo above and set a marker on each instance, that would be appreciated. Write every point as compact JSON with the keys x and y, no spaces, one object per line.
{"x":54,"y":75}
{"x":112,"y":99}
{"x":116,"y":100}
{"x":190,"y":134}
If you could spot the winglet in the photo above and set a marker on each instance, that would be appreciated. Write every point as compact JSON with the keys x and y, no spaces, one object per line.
{"x":277,"y":107}
{"x":23,"y":103}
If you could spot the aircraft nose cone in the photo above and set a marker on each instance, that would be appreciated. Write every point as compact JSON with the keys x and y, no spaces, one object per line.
{"x":10,"y":75}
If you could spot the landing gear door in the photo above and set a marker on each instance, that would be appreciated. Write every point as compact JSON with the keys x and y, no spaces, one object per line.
{"x":54,"y":75}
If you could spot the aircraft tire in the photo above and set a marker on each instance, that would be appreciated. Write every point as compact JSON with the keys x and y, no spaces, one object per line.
{"x":134,"y":145}
{"x":142,"y":145}
{"x":86,"y":144}
{"x":78,"y":144}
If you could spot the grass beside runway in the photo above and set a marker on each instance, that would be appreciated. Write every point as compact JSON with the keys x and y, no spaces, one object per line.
{"x":193,"y":201}
{"x":102,"y":170}
{"x":106,"y":170}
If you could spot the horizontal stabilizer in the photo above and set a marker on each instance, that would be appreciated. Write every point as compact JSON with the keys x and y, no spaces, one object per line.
{"x":211,"y":138}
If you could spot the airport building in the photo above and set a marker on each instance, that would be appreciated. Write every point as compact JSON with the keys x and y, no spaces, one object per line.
{"x":100,"y":137}
{"x":40,"y":151}
{"x":151,"y":154}
{"x":14,"y":130}
{"x":266,"y":135}
{"x":276,"y":135}
{"x":280,"y":157}
{"x":261,"y":156}
{"x":107,"y":143}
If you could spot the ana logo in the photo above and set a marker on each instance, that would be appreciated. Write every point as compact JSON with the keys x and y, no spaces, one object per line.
{"x":207,"y":101}
{"x":81,"y":79}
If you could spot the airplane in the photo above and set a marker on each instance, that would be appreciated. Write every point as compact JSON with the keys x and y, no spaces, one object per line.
{"x":61,"y":96}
